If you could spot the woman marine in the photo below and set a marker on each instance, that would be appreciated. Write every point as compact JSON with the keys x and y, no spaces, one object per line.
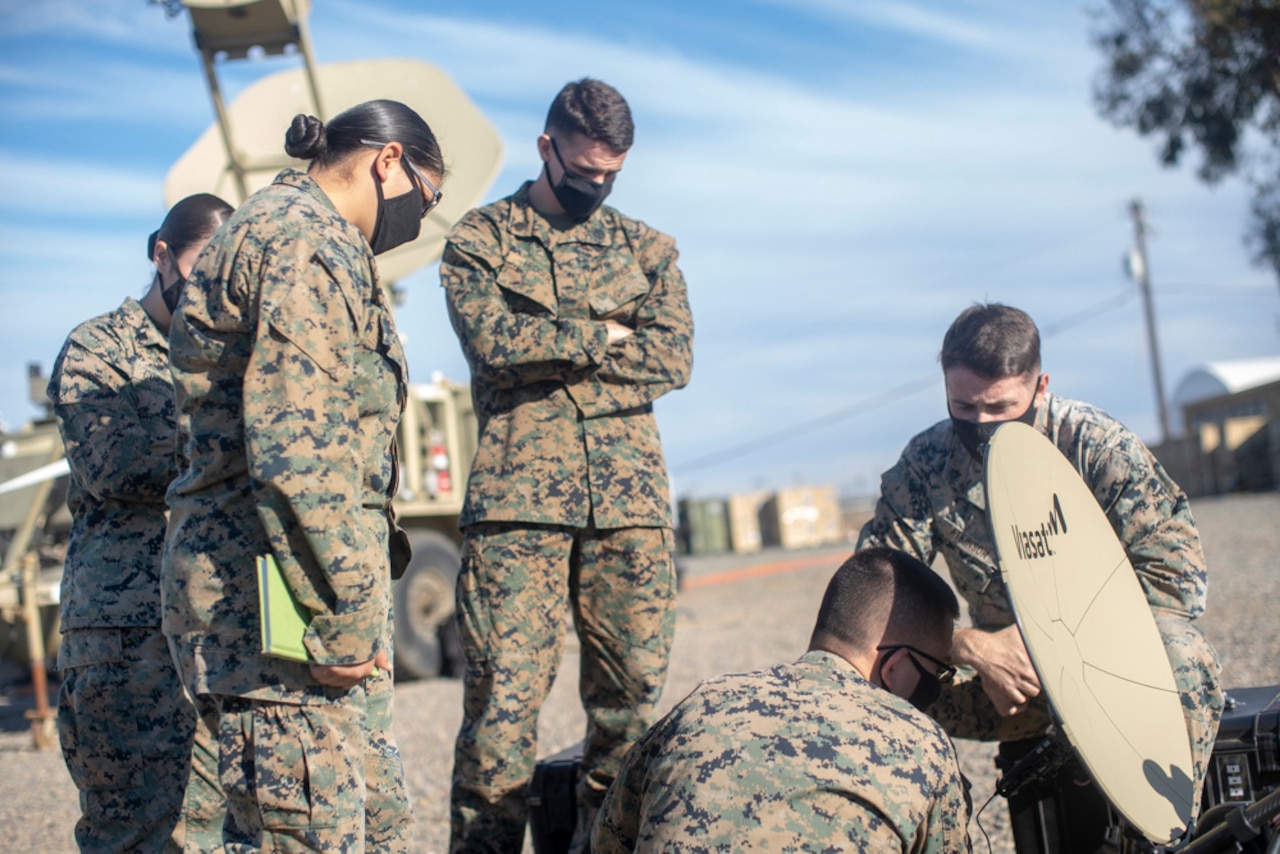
{"x":290,"y":382}
{"x":125,"y":726}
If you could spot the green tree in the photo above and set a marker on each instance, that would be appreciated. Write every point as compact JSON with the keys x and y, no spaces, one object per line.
{"x":1201,"y":75}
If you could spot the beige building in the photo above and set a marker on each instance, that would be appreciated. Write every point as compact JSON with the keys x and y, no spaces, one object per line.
{"x":1230,"y":428}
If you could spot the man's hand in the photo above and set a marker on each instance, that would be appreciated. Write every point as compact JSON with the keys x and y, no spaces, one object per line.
{"x":1001,"y":660}
{"x":617,"y":331}
{"x":348,"y":675}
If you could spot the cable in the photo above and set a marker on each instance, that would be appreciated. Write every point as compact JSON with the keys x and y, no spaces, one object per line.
{"x":875,"y":402}
{"x":977,"y":819}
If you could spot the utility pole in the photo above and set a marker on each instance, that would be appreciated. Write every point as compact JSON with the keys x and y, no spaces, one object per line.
{"x":1140,"y":272}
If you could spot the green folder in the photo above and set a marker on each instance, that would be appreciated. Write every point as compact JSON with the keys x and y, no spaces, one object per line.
{"x":283,"y":620}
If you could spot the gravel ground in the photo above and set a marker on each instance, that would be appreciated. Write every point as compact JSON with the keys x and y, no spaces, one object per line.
{"x":724,"y":625}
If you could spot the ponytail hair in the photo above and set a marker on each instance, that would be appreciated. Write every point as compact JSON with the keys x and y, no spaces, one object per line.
{"x":189,"y":222}
{"x":381,"y":122}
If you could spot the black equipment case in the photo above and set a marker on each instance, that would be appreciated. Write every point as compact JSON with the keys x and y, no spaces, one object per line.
{"x":1246,"y":755}
{"x":553,"y":802}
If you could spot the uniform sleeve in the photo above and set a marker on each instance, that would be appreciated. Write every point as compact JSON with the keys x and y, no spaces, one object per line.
{"x":504,"y":347}
{"x":1152,"y":518}
{"x":617,"y":829}
{"x":903,"y":518}
{"x":108,"y":448}
{"x":658,"y":356}
{"x":948,"y":820}
{"x":302,"y":442}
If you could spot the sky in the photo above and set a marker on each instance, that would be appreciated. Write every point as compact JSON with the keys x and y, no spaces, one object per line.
{"x":842,"y":177}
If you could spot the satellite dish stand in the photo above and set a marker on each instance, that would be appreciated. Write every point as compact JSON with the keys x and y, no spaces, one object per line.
{"x":227,"y":30}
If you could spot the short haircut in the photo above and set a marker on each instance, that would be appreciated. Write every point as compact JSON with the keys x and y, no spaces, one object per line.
{"x":992,"y":340}
{"x":594,"y":109}
{"x":884,"y":592}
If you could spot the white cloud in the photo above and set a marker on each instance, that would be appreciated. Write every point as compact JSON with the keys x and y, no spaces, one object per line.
{"x":133,"y":24}
{"x":75,"y":189}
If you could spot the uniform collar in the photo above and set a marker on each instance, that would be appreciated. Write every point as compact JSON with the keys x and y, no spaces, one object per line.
{"x":300,"y":180}
{"x":830,"y":661}
{"x":148,"y":334}
{"x":525,"y":221}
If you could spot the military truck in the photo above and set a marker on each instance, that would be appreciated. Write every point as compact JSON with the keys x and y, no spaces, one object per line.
{"x":437,"y":441}
{"x":236,"y":155}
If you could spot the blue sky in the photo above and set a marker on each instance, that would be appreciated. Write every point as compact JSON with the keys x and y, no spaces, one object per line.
{"x":842,"y":178}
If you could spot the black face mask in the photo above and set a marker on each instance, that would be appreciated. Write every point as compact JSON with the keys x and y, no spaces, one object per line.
{"x":928,"y":688}
{"x":975,"y":437}
{"x":578,"y":196}
{"x":399,"y":219}
{"x":172,"y":295}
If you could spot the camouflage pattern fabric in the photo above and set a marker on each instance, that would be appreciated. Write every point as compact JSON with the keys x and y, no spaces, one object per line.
{"x":294,"y":775}
{"x":113,"y":400}
{"x":120,"y":697}
{"x":126,"y":731}
{"x":569,"y":453}
{"x":388,"y":814}
{"x":933,"y":502}
{"x":290,"y":380}
{"x":516,"y":587}
{"x":803,"y":757}
{"x":567,"y":434}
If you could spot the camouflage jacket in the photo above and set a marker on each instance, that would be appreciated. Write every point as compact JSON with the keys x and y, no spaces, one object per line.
{"x":806,"y":757}
{"x":933,"y":501}
{"x":567,"y":433}
{"x":113,"y":400}
{"x":290,"y":381}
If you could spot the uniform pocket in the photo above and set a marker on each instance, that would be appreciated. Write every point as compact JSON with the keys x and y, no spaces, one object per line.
{"x":302,"y":766}
{"x":97,"y":713}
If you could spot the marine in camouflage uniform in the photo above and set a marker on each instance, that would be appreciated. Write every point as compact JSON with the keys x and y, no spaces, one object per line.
{"x":803,"y":757}
{"x":290,"y":382}
{"x":933,"y":502}
{"x":568,"y":503}
{"x":126,"y":728}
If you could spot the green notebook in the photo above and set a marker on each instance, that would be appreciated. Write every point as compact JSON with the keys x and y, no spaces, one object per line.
{"x":283,"y":620}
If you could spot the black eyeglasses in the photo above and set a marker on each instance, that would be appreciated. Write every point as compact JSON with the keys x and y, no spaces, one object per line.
{"x":945,"y":672}
{"x":414,"y":175}
{"x":436,"y":195}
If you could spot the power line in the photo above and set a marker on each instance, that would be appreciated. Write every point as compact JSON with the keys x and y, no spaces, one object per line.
{"x":870,"y":404}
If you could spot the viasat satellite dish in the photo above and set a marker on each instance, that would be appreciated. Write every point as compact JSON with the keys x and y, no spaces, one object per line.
{"x":1090,"y":632}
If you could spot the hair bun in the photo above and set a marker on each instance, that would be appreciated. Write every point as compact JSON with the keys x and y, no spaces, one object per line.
{"x":305,"y":138}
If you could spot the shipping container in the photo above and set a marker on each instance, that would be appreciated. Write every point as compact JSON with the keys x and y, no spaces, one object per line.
{"x":704,"y":526}
{"x":744,"y":521}
{"x":801,"y":517}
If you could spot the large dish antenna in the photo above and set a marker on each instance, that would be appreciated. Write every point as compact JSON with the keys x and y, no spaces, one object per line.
{"x":1090,"y":632}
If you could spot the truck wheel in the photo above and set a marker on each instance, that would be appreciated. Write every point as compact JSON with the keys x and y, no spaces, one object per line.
{"x":423,"y":602}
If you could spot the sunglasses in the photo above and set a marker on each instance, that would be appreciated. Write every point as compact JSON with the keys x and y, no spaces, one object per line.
{"x":944,"y":673}
{"x":415,"y":176}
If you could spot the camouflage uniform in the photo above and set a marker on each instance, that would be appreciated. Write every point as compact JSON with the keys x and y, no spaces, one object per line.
{"x":568,"y":498}
{"x":290,"y":381}
{"x":805,"y":757}
{"x":933,"y":501}
{"x":126,"y":728}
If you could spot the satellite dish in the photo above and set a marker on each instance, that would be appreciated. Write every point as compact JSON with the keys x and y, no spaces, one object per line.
{"x":1090,"y":632}
{"x":258,"y":118}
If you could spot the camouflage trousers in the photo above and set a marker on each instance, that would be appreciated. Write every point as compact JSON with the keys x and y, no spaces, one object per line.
{"x":145,"y":769}
{"x":964,"y":710}
{"x":517,"y":584}
{"x":311,"y":777}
